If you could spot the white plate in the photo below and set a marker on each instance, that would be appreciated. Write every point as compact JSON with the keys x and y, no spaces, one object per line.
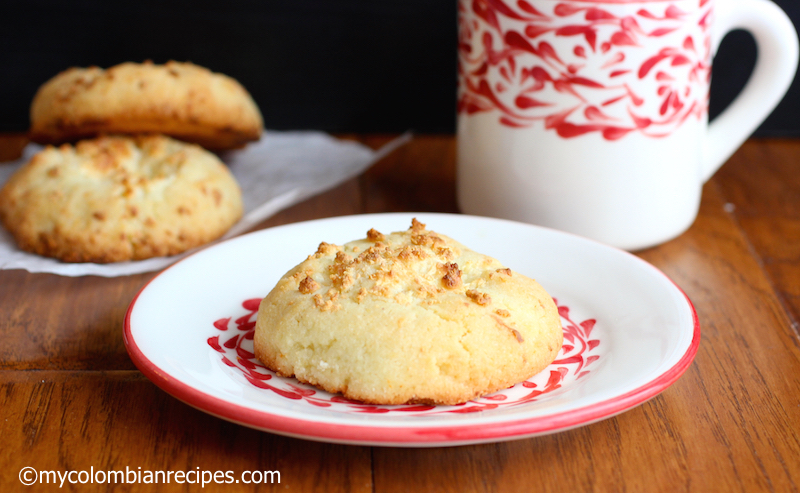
{"x":630,"y":332}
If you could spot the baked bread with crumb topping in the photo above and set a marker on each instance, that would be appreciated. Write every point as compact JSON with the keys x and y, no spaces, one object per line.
{"x":182,"y":100}
{"x":407,"y":317}
{"x":118,"y":198}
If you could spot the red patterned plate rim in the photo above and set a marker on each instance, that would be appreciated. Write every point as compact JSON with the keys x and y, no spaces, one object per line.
{"x":416,"y":435}
{"x":232,"y":345}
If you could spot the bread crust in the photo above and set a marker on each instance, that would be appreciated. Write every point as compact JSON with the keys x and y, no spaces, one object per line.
{"x":407,"y":317}
{"x":115,"y":198}
{"x":181,"y":100}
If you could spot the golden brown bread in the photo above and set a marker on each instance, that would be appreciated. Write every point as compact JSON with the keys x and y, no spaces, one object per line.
{"x":412,"y":316}
{"x":181,"y":100}
{"x":117,"y":198}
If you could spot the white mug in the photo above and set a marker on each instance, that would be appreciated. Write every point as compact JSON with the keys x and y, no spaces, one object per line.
{"x":591,"y":116}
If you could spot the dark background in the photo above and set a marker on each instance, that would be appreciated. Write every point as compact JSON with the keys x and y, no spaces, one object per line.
{"x":334,"y":65}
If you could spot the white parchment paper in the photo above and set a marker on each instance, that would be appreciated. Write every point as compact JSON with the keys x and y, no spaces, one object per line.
{"x":280,"y":170}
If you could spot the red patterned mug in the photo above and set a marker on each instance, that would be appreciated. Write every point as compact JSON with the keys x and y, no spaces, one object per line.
{"x":591,"y":116}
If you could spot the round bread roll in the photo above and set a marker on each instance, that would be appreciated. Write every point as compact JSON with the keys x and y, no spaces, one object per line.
{"x":118,"y":198}
{"x":407,"y":317}
{"x":181,"y":100}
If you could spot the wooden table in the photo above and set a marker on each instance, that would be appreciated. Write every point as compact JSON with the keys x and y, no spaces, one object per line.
{"x":71,"y":398}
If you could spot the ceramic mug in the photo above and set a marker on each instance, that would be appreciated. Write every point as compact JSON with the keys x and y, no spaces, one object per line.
{"x":591,"y":116}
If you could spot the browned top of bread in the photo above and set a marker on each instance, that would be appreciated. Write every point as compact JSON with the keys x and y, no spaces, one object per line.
{"x":181,"y":100}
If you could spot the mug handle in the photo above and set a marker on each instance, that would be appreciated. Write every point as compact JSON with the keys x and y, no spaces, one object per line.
{"x":775,"y":69}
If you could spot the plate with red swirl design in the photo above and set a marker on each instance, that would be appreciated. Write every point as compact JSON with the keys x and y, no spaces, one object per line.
{"x":629,"y":333}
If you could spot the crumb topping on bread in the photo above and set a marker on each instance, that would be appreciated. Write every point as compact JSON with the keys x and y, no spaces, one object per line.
{"x":413,"y":266}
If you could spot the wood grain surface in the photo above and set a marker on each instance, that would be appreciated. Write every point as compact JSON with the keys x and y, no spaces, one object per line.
{"x":71,"y":399}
